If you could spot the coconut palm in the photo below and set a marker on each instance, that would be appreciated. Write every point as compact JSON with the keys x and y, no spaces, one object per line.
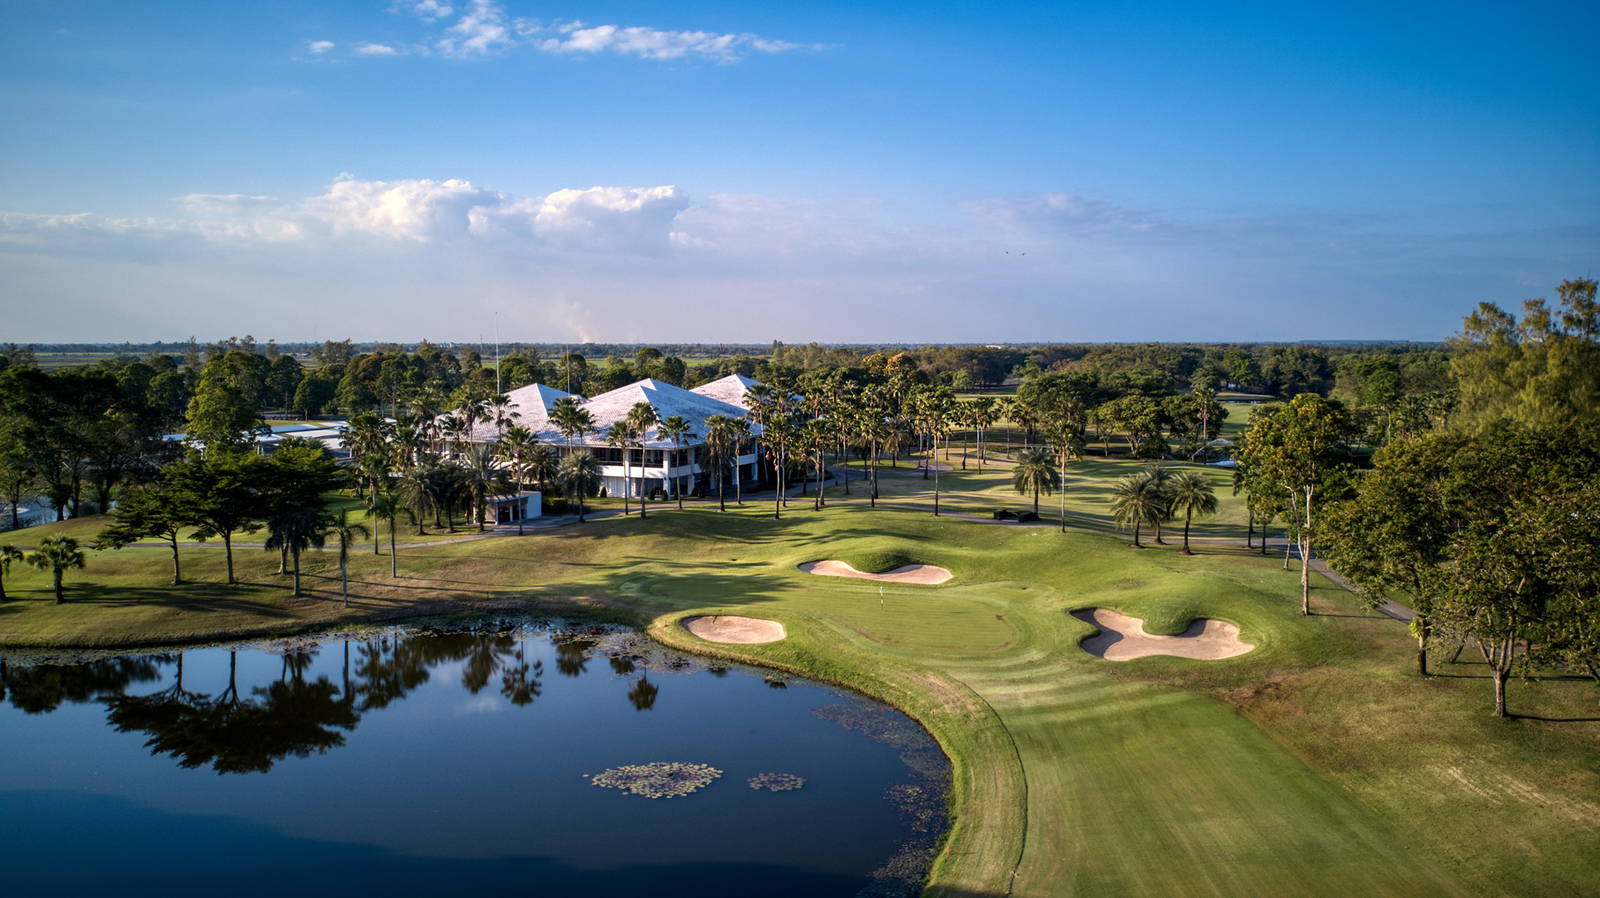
{"x":580,"y":475}
{"x":502,"y":411}
{"x":386,"y":507}
{"x":541,"y":464}
{"x":572,"y":419}
{"x":1140,"y":499}
{"x":778,"y":434}
{"x":1191,"y":493}
{"x":414,"y":488}
{"x":1067,"y":443}
{"x":512,"y":451}
{"x":676,"y":429}
{"x":347,"y":533}
{"x":8,"y":554}
{"x":982,"y":415}
{"x":641,"y":418}
{"x":1036,"y":473}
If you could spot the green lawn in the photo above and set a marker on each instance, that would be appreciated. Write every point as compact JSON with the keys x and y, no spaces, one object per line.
{"x":1316,"y":764}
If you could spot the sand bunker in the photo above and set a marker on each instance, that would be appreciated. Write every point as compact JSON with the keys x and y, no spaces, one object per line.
{"x":925,"y":574}
{"x":1122,"y":638}
{"x":732,"y":629}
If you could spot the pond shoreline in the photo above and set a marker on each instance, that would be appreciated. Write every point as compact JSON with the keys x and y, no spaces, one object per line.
{"x":665,"y":630}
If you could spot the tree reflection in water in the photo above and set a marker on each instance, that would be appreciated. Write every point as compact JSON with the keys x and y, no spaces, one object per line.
{"x":249,"y":729}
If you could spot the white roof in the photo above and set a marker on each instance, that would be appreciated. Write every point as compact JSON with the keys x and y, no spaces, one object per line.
{"x":667,"y":400}
{"x":730,"y":389}
{"x":533,"y":403}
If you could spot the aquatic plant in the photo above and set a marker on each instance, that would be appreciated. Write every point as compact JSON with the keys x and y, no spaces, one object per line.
{"x":776,"y":782}
{"x":660,"y":779}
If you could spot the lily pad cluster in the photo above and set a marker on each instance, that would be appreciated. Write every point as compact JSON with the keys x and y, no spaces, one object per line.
{"x":660,"y":779}
{"x":776,"y":782}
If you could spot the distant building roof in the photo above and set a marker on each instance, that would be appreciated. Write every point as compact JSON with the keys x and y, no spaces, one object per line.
{"x":534,"y":402}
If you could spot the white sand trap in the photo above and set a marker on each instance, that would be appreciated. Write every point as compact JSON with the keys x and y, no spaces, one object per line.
{"x":733,"y":629}
{"x":1122,"y":638}
{"x":924,"y":574}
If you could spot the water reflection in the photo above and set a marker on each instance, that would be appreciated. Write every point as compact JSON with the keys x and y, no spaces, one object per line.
{"x":451,"y":750}
{"x":249,"y":730}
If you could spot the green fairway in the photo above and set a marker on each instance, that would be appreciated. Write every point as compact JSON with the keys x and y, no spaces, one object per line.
{"x":1315,"y":764}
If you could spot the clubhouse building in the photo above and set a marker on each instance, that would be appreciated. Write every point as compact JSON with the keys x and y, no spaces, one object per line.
{"x":663,"y":467}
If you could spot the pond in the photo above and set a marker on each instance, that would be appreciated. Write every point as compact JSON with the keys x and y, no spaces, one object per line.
{"x":425,"y":761}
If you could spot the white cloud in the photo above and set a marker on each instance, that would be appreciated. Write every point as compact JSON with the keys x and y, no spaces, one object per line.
{"x":426,"y":10}
{"x":482,"y":30}
{"x":654,"y":43}
{"x":637,"y":220}
{"x":319,"y":46}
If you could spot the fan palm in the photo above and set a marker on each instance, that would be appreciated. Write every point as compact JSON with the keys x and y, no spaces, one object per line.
{"x":8,"y":554}
{"x":1192,"y":494}
{"x":57,"y":554}
{"x":580,"y":475}
{"x":1036,"y":473}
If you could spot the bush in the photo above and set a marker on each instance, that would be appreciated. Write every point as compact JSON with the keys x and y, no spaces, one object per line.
{"x":555,"y":506}
{"x":1004,"y":514}
{"x":1026,"y":517}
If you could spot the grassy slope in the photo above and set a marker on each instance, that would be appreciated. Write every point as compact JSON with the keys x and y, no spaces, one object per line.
{"x":1315,"y":764}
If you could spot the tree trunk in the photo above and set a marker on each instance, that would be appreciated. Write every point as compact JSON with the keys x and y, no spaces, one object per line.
{"x":227,"y":551}
{"x":61,"y":596}
{"x":1500,"y":693}
{"x":344,"y":579}
{"x":1136,"y":524}
{"x":394,"y":558}
{"x":1250,"y":529}
{"x":296,"y":554}
{"x":1036,"y":500}
{"x":1187,"y":517}
{"x":177,"y":569}
{"x":1423,"y":628}
{"x":1305,"y":576}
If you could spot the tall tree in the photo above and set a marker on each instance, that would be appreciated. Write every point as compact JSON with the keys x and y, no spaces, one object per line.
{"x":677,"y":430}
{"x":1035,"y":473}
{"x":1192,"y":494}
{"x":1296,"y":452}
{"x":159,"y":510}
{"x":580,"y":475}
{"x":8,"y":554}
{"x":224,"y":497}
{"x":347,"y":533}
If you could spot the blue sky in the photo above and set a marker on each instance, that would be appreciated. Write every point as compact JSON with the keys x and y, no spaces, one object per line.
{"x":829,"y":171}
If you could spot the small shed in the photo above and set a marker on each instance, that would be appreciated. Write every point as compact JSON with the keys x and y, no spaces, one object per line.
{"x":513,"y":507}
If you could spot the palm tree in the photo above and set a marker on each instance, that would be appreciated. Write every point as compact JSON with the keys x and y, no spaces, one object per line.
{"x":641,"y":418}
{"x":675,"y":428}
{"x":541,"y":464}
{"x":483,"y":479}
{"x":348,"y":533}
{"x":740,"y":430}
{"x":1160,"y":491}
{"x":57,"y":554}
{"x":415,"y":487}
{"x":386,"y":507}
{"x":982,"y":415}
{"x":1067,"y":443}
{"x":815,"y":437}
{"x":778,"y":433}
{"x":455,"y":429}
{"x":8,"y":554}
{"x":719,"y":445}
{"x":620,"y":438}
{"x":1036,"y":473}
{"x":502,"y":411}
{"x":1192,"y":494}
{"x":1128,"y":505}
{"x":572,"y":419}
{"x":580,"y":474}
{"x":514,"y":450}
{"x":298,"y":529}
